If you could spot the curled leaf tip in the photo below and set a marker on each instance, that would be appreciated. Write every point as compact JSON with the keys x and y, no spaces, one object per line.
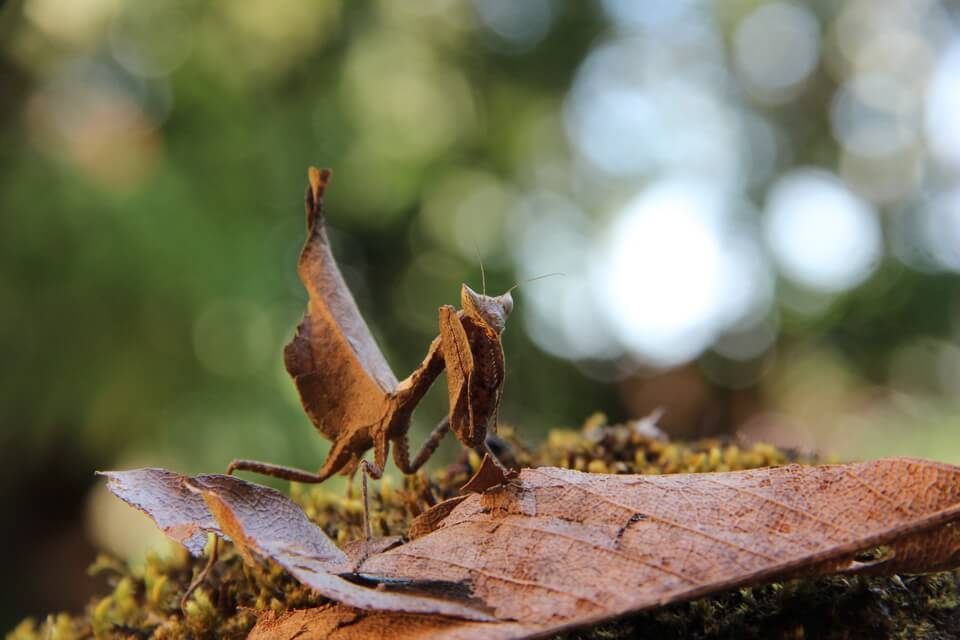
{"x":319,"y":178}
{"x":488,"y":475}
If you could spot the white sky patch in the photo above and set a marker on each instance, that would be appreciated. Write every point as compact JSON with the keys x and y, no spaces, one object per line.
{"x":822,"y":235}
{"x":666,"y":271}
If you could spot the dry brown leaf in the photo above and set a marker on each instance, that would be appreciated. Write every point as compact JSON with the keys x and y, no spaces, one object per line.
{"x":337,"y":622}
{"x":489,"y":474}
{"x":431,"y":519}
{"x":556,"y":548}
{"x":164,"y":496}
{"x":264,"y":522}
{"x":564,"y":548}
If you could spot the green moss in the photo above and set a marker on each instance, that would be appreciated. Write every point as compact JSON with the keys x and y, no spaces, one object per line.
{"x":144,"y":602}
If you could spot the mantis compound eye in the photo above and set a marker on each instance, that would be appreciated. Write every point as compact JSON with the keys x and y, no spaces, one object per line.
{"x":506,"y":301}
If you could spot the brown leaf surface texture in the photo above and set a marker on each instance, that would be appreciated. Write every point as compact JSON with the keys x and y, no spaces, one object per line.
{"x":164,"y":496}
{"x":264,"y":522}
{"x":337,"y":622}
{"x":330,"y":299}
{"x":557,"y":548}
{"x":568,"y":547}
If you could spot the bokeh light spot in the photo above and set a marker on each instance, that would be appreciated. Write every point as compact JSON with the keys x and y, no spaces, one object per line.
{"x":153,"y":40}
{"x":873,"y":115}
{"x":632,"y":15}
{"x":70,"y":22}
{"x":942,"y":230}
{"x":822,"y":235}
{"x":943,"y":105}
{"x":666,"y":271}
{"x":776,"y":47}
{"x":519,"y":24}
{"x":616,"y":114}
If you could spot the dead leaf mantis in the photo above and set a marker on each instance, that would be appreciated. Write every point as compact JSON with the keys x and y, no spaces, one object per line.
{"x":350,"y":392}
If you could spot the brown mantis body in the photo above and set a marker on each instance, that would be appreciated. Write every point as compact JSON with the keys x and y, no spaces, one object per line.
{"x":349,"y":391}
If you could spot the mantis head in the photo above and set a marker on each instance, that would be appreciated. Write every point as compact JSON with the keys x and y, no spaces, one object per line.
{"x":492,"y":310}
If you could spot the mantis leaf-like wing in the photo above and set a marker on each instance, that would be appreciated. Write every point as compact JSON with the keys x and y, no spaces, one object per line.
{"x":343,"y":379}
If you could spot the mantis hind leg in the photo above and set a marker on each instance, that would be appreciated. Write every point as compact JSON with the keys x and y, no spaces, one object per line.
{"x":401,"y":452}
{"x":376,"y":472}
{"x":381,"y":448}
{"x":339,"y":457}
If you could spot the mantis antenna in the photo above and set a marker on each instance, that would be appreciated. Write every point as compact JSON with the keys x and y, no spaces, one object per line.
{"x":483,"y":275}
{"x":546,"y":275}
